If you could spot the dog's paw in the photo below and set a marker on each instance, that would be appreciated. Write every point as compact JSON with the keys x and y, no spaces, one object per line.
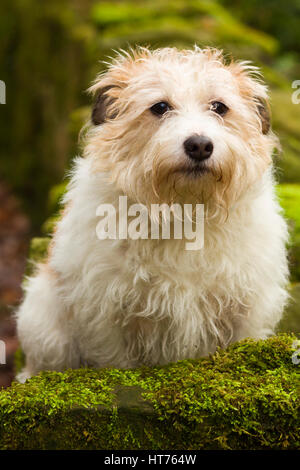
{"x":23,"y":376}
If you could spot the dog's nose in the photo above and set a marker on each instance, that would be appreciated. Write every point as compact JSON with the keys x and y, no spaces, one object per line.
{"x":198,"y":147}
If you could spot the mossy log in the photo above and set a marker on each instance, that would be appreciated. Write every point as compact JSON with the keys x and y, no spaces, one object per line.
{"x":245,"y":397}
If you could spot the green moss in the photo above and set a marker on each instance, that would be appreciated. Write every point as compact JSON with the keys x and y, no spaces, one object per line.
{"x":245,"y":397}
{"x":37,"y":252}
{"x":49,"y":225}
{"x":19,"y":360}
{"x":55,"y":195}
{"x":289,"y":196}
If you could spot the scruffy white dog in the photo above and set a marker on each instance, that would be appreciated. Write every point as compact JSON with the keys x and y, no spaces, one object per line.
{"x":168,"y":126}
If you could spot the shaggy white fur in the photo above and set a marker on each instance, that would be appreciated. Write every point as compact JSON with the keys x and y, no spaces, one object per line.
{"x":128,"y":302}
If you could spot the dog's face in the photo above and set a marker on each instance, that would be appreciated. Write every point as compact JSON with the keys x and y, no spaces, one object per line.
{"x":175,"y":125}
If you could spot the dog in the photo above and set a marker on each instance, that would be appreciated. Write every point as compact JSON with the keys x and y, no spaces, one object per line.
{"x":168,"y":126}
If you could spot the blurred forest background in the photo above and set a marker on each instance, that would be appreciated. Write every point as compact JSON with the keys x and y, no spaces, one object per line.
{"x":51,"y":51}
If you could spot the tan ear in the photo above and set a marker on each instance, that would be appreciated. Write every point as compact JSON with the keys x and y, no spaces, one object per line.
{"x":265,"y":115}
{"x":253,"y":89}
{"x":103,"y":101}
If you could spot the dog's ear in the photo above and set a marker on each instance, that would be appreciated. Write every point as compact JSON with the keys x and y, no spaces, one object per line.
{"x":252,"y":89}
{"x":265,"y":115}
{"x":101,"y":110}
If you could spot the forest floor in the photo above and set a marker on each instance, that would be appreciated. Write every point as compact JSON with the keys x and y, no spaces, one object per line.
{"x":14,"y":239}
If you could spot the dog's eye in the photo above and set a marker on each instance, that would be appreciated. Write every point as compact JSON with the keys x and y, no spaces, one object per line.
{"x":219,"y":108}
{"x":160,"y":108}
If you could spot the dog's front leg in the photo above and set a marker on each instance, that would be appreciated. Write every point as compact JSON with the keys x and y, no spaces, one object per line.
{"x":44,"y":326}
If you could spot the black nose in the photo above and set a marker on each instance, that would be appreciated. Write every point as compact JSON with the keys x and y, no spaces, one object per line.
{"x":198,"y":147}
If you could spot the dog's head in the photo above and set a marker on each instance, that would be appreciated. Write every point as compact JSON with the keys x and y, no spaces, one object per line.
{"x":171,"y":125}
